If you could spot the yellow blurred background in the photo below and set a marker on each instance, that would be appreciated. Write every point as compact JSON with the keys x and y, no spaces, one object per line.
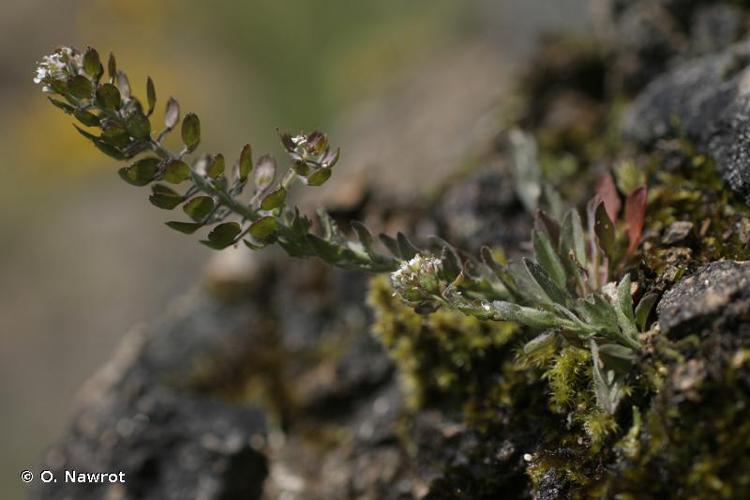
{"x":83,"y":256}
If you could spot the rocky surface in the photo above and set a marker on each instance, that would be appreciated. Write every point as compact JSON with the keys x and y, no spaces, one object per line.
{"x":483,"y":210}
{"x":169,"y":441}
{"x":176,"y":407}
{"x":648,"y":37}
{"x":720,"y":288}
{"x":707,"y":101}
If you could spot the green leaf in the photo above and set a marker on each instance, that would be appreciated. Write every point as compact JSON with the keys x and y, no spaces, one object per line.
{"x":108,"y":96}
{"x":138,"y":125}
{"x":223,"y":235}
{"x":273,"y":199}
{"x":58,"y":86}
{"x":185,"y":227}
{"x":607,"y":387}
{"x":572,"y":236}
{"x":624,"y":298}
{"x":551,"y":289}
{"x":406,"y":247}
{"x":365,"y":238}
{"x":87,"y":118}
{"x":165,"y":197}
{"x":526,"y":285}
{"x":150,"y":95}
{"x":265,"y":172}
{"x":392,"y":245}
{"x":87,"y":135}
{"x":539,"y":343}
{"x":112,"y":67}
{"x":301,"y":168}
{"x":597,"y":312}
{"x":617,"y":351}
{"x":91,"y":63}
{"x":263,"y":228}
{"x":330,"y":229}
{"x":534,"y":318}
{"x":624,"y":309}
{"x":216,"y":167}
{"x":548,"y":259}
{"x":246,"y":162}
{"x":191,"y":131}
{"x":452,"y":264}
{"x":172,"y":113}
{"x":141,"y":172}
{"x":323,"y":249}
{"x":605,"y":230}
{"x":101,"y":145}
{"x":116,"y":136}
{"x":199,"y":208}
{"x":318,"y":177}
{"x":643,"y":310}
{"x":176,"y":172}
{"x":553,"y":201}
{"x":80,"y":86}
{"x":62,"y":105}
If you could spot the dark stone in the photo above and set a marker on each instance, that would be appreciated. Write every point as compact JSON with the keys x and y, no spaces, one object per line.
{"x":553,"y":486}
{"x":677,"y":232}
{"x":483,"y":210}
{"x":651,"y":36}
{"x":688,"y":99}
{"x":707,"y":100}
{"x":718,"y":289}
{"x":715,"y":27}
{"x":648,"y":37}
{"x":170,"y":442}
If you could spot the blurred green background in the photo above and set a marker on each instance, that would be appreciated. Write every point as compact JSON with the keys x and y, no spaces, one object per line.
{"x":83,"y":258}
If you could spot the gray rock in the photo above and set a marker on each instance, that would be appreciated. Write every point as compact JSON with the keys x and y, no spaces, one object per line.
{"x":650,"y":36}
{"x":483,"y":210}
{"x":707,"y":100}
{"x":689,"y":99}
{"x":700,"y":299}
{"x":714,"y":27}
{"x":170,"y":442}
{"x":677,"y":232}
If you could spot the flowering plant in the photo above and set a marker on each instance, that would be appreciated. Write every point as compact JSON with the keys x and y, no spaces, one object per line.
{"x":564,"y":292}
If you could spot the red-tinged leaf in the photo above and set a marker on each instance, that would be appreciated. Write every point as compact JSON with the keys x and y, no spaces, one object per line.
{"x":635,"y":216}
{"x":605,"y":230}
{"x":606,"y":189}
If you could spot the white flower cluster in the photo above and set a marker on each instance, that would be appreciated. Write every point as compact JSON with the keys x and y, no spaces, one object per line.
{"x":417,"y":277}
{"x":57,"y":66}
{"x":299,"y":140}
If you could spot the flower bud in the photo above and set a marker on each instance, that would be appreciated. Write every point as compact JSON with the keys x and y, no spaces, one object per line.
{"x":418,"y":279}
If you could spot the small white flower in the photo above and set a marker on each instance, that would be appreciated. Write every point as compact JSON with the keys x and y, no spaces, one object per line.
{"x":299,"y":140}
{"x":417,"y":276}
{"x":57,"y":66}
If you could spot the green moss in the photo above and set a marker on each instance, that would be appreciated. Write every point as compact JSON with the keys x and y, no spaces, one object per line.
{"x":695,"y":439}
{"x":547,"y":401}
{"x":442,"y":357}
{"x":684,"y":186}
